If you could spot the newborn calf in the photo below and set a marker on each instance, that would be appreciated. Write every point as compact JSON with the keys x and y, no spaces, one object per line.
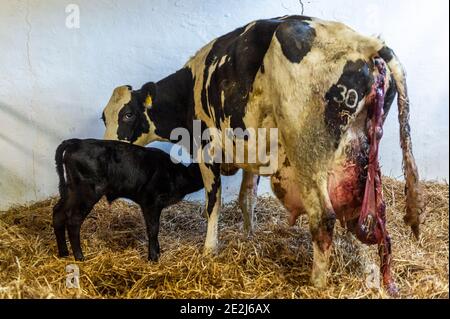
{"x":90,"y":169}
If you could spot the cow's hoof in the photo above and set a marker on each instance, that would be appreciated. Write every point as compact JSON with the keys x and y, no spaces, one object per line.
{"x":319,"y":281}
{"x":392,"y":290}
{"x":210,"y":251}
{"x":248,"y":233}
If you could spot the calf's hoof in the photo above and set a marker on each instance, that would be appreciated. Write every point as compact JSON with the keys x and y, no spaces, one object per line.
{"x":79,"y":257}
{"x":153,"y":257}
{"x":63,"y":254}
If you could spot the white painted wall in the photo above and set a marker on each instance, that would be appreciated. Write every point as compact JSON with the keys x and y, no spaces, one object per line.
{"x":54,"y":81}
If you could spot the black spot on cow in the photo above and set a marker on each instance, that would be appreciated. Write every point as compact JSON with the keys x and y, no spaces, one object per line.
{"x":386,"y":54}
{"x":343,"y":97}
{"x":212,"y":195}
{"x":234,"y":61}
{"x":243,"y":52}
{"x":296,"y":39}
{"x":173,"y":103}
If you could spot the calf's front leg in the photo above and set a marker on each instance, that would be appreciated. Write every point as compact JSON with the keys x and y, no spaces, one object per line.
{"x":59,"y":227}
{"x":152,"y":216}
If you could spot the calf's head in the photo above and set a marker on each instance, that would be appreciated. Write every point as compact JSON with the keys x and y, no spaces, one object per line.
{"x":126,"y":115}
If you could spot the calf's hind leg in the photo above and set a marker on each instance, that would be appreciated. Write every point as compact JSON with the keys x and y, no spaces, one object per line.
{"x":74,"y":222}
{"x":76,"y":217}
{"x":59,"y":227}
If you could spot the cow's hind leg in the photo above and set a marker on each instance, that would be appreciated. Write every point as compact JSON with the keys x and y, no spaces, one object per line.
{"x":385,"y":252}
{"x":321,"y":222}
{"x":212,"y":182}
{"x":247,"y":200}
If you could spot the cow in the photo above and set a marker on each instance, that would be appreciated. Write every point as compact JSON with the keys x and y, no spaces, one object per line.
{"x":320,"y":84}
{"x":90,"y":169}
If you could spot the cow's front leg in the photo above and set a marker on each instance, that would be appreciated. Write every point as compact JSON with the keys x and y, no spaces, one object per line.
{"x":321,"y":220}
{"x":213,"y":189}
{"x":247,"y":200}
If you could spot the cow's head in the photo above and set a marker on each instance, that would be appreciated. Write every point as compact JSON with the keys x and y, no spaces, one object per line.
{"x":126,"y":117}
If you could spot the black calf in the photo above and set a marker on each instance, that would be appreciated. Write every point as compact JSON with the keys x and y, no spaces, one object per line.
{"x":90,"y":169}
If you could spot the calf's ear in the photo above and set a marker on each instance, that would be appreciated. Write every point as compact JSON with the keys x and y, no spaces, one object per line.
{"x":148,"y":93}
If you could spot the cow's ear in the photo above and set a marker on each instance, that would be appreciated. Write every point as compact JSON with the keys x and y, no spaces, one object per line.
{"x":148,"y":93}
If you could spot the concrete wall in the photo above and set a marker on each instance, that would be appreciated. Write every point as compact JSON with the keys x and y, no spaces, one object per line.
{"x":54,"y":81}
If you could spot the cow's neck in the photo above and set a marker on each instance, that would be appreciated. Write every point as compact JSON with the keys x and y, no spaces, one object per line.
{"x":174,"y":105}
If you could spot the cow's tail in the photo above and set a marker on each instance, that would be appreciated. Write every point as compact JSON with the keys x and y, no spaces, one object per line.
{"x":414,"y":198}
{"x":59,"y":160}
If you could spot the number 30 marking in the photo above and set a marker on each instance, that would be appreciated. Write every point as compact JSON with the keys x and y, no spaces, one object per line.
{"x":349,"y":97}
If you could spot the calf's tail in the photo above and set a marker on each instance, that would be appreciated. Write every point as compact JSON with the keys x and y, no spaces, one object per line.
{"x":414,"y":197}
{"x":59,"y":160}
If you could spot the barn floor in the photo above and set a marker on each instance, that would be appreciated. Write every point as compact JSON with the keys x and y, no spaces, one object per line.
{"x":274,"y":264}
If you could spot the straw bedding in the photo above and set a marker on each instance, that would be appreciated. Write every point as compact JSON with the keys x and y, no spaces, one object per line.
{"x":274,"y":263}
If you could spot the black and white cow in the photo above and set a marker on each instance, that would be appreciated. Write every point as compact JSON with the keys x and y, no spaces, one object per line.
{"x":316,"y":82}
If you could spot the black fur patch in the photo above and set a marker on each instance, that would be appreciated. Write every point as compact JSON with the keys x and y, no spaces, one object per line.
{"x":244,"y":54}
{"x":343,"y":97}
{"x":386,"y":54}
{"x":173,"y":103}
{"x":212,"y":195}
{"x":131,"y":129}
{"x":296,"y":39}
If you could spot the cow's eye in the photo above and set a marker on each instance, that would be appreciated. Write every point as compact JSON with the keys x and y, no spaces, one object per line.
{"x":128,"y":116}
